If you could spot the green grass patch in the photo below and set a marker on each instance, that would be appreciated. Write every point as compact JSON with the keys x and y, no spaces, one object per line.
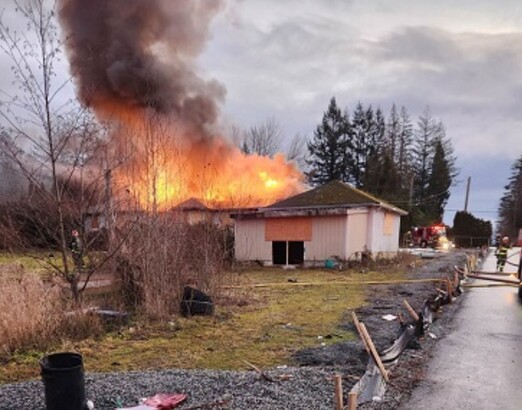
{"x":265,"y":327}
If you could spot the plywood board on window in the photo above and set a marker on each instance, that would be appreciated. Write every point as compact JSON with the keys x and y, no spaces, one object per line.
{"x":388,"y":224}
{"x":288,"y":229}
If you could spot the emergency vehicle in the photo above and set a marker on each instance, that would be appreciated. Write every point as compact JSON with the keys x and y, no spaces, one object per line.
{"x":429,"y":236}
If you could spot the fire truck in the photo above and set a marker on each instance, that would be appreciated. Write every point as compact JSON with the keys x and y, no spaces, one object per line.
{"x":433,"y":236}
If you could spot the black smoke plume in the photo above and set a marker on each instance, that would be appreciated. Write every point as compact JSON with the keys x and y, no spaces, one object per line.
{"x":131,"y":56}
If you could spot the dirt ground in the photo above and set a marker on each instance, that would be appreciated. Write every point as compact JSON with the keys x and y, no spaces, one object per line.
{"x":388,"y":300}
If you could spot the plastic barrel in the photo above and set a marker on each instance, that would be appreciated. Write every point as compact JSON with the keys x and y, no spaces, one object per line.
{"x":64,"y":383}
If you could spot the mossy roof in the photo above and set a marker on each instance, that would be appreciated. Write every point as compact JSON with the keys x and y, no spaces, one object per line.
{"x":332,"y":194}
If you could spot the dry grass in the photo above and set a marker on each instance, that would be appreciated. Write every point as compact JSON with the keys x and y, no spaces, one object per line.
{"x":30,"y":313}
{"x":264,"y":326}
{"x":35,"y":317}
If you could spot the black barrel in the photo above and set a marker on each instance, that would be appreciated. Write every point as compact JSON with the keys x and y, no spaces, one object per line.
{"x":64,"y":383}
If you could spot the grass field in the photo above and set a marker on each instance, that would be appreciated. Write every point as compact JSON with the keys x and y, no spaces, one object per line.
{"x":263,"y":325}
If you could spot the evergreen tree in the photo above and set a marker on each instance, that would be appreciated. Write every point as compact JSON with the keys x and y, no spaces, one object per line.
{"x":379,"y":130}
{"x":365,"y":132}
{"x":381,"y":178}
{"x":470,"y":231}
{"x":439,"y":182}
{"x":423,"y":151}
{"x":393,"y":130}
{"x":449,"y":151}
{"x":510,"y":208}
{"x":404,"y":153}
{"x":330,"y":147}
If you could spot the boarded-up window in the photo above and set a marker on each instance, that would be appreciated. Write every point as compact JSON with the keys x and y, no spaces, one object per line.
{"x":388,"y":224}
{"x":288,"y":229}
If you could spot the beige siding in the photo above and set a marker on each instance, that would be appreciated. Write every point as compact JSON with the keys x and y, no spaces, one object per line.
{"x":328,"y":238}
{"x":357,"y":233}
{"x":250,"y":241}
{"x":385,"y":232}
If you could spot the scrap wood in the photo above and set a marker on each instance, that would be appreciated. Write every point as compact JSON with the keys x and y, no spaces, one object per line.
{"x":501,"y":280}
{"x":351,"y":377}
{"x":491,"y":285}
{"x":284,"y":377}
{"x":456,"y":280}
{"x":369,"y":346}
{"x":449,"y":290}
{"x":461,"y":272}
{"x":494,"y":273}
{"x":258,"y":370}
{"x":401,"y":319}
{"x":410,"y":310}
{"x":375,"y":355}
{"x":358,"y":327}
{"x":449,"y":286}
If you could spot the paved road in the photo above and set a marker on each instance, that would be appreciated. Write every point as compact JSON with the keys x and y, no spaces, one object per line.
{"x":479,"y":364}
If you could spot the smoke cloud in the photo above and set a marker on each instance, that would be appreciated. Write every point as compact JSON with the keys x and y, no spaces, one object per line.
{"x":134,"y":63}
{"x":128,"y":56}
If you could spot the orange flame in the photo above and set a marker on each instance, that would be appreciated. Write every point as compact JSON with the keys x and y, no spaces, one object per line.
{"x":164,"y":173}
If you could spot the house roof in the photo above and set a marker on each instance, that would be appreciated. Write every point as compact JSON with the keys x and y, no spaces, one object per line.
{"x":334,"y":194}
{"x":191,"y":204}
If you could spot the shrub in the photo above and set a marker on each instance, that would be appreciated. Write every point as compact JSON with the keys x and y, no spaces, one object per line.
{"x":163,"y":256}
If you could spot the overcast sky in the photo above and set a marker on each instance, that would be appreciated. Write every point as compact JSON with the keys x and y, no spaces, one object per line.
{"x":286,"y":59}
{"x":463,"y":59}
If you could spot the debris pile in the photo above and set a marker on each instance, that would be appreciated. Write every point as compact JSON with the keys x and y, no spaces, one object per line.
{"x":372,"y":385}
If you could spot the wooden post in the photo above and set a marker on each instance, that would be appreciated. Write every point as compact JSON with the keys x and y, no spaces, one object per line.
{"x":375,"y":355}
{"x":352,"y":400}
{"x":339,"y":403}
{"x":358,"y":327}
{"x":369,"y":346}
{"x":411,"y":311}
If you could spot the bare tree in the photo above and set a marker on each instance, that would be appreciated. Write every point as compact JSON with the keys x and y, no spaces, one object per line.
{"x":297,"y":150}
{"x":51,"y":139}
{"x":263,"y":139}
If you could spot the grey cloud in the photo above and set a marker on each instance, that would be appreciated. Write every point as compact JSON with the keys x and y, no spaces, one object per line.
{"x":417,"y":45}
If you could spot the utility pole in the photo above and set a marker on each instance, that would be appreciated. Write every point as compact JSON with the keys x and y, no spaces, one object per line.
{"x":467,"y":195}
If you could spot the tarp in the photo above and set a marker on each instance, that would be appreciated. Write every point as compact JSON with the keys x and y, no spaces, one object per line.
{"x":371,"y":386}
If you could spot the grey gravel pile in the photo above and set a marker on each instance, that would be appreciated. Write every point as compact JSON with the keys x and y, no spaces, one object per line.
{"x":293,"y":388}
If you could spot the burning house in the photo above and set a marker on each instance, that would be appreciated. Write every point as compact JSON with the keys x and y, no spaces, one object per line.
{"x":331,"y":220}
{"x":135,"y":66}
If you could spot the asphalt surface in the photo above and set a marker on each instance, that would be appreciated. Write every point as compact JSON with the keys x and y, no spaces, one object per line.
{"x":478,"y":365}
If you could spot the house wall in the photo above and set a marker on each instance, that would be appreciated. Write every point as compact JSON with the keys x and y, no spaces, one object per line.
{"x":250,"y":241}
{"x":384,"y":233}
{"x":344,"y":236}
{"x":328,"y":238}
{"x":357,"y":232}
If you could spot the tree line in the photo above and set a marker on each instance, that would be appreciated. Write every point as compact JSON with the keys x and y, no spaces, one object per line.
{"x":510,"y":207}
{"x":409,"y":165}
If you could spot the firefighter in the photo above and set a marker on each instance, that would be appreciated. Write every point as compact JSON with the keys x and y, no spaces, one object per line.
{"x":502,"y":253}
